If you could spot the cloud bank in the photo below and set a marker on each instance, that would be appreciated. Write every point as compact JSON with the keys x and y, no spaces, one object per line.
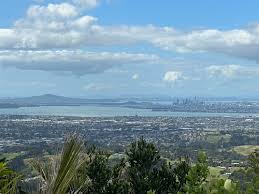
{"x":76,"y":62}
{"x":55,"y":37}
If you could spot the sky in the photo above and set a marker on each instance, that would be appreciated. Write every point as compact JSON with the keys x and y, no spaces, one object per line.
{"x":129,"y":48}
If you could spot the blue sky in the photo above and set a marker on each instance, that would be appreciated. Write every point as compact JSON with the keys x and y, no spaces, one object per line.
{"x":113,"y":48}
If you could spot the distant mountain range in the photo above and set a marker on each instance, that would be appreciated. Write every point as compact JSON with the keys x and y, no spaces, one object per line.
{"x":54,"y":100}
{"x":46,"y":99}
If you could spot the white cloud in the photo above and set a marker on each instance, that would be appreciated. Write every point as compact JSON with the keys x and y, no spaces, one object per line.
{"x":231,"y":71}
{"x":87,"y":4}
{"x":62,"y":26}
{"x":135,"y":76}
{"x":53,"y":11}
{"x":77,"y":62}
{"x":8,"y":38}
{"x":204,"y":40}
{"x":83,"y":22}
{"x":173,"y":76}
{"x":228,"y":71}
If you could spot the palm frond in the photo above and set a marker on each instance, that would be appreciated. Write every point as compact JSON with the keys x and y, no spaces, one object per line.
{"x":58,"y":173}
{"x":8,"y":179}
{"x":71,"y":161}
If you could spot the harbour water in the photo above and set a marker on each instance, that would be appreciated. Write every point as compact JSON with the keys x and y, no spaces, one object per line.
{"x":109,"y":111}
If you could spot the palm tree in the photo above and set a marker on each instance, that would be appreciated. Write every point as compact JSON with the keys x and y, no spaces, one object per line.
{"x":58,"y":173}
{"x":8,"y":179}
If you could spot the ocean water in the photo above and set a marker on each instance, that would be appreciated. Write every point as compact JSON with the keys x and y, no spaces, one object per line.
{"x":108,"y":111}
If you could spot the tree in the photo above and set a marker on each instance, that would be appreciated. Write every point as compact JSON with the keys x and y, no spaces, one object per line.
{"x":196,"y":178}
{"x":58,"y":172}
{"x":253,"y":171}
{"x":119,"y":183}
{"x":97,"y":176}
{"x":220,"y":186}
{"x":181,"y":170}
{"x":142,"y":157}
{"x":98,"y":172}
{"x":164,"y":180}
